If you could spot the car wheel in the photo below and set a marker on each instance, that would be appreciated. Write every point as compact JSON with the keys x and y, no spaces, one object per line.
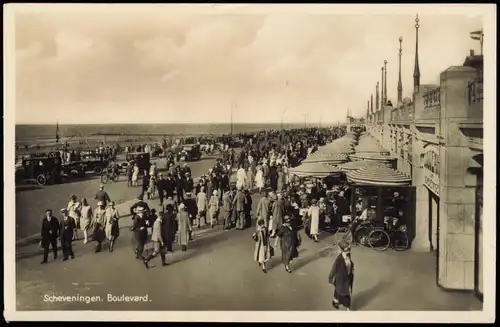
{"x":41,"y":180}
{"x":97,"y":169}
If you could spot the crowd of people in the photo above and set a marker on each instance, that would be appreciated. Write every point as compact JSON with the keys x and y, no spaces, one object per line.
{"x":262,"y":168}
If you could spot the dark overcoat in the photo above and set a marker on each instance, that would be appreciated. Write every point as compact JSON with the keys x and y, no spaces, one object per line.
{"x":289,"y":241}
{"x":340,"y":277}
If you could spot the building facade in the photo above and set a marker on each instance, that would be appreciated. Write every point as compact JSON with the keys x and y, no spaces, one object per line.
{"x":437,"y":137}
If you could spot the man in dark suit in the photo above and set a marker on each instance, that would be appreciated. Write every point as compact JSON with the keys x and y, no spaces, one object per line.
{"x":239,"y":205}
{"x":169,"y":186}
{"x":160,"y":185}
{"x":67,"y":226}
{"x":49,"y":233}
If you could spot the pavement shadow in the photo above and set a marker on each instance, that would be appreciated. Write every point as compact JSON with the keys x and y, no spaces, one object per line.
{"x":304,"y":261}
{"x":24,"y":188}
{"x":363,"y":298}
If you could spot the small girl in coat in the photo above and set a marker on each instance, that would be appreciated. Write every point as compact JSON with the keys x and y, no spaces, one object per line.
{"x":262,"y":252}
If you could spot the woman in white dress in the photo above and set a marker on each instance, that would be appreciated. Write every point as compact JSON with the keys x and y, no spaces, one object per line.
{"x":213,"y":208}
{"x":85,"y":219}
{"x":135,"y":175}
{"x":259,"y":179}
{"x":241,"y":177}
{"x":74,"y":212}
{"x":313,"y":213}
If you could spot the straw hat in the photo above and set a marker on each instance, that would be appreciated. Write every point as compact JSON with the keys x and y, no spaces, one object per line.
{"x":182,"y":206}
{"x":64,"y":210}
{"x":215,"y":192}
{"x":100,"y":203}
{"x":140,"y":210}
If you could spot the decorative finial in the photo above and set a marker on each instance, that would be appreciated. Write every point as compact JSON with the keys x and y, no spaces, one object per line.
{"x":400,"y":83}
{"x":416,"y":69}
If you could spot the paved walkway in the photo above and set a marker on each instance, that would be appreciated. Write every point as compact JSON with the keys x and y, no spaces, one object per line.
{"x":218,"y":273}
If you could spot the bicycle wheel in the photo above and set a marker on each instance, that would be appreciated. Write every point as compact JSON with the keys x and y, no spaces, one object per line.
{"x":379,"y":240}
{"x":340,"y":235}
{"x":361,"y":236}
{"x":399,"y":240}
{"x":104,"y":178}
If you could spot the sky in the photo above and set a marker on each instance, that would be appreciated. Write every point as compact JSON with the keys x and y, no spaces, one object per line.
{"x":170,"y":63}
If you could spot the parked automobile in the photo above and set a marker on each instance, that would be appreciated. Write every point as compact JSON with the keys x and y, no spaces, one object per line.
{"x":143,"y":160}
{"x":41,"y":170}
{"x":75,"y":169}
{"x":93,"y":161}
{"x":189,"y":152}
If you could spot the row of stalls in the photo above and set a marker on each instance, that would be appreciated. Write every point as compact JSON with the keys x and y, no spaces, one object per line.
{"x":358,"y":162}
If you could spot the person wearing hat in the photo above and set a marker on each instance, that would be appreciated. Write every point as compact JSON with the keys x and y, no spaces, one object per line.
{"x":239,"y":206}
{"x":227,"y":206}
{"x":202,"y":205}
{"x":213,"y":208}
{"x":184,"y":227}
{"x":263,"y":208}
{"x":290,"y":242}
{"x":67,"y":226}
{"x":160,"y":186}
{"x":98,"y":224}
{"x":49,"y":233}
{"x":277,"y":211}
{"x":342,"y":277}
{"x":73,"y":209}
{"x":248,"y":209}
{"x":129,"y":172}
{"x":145,"y":184}
{"x":158,"y":237}
{"x":169,"y":186}
{"x":262,"y":252}
{"x":180,"y":182}
{"x":191,"y":208}
{"x":313,"y":214}
{"x":140,"y":231}
{"x":189,"y":183}
{"x":102,"y":196}
{"x":86,"y":219}
{"x":112,"y":227}
{"x":140,"y":203}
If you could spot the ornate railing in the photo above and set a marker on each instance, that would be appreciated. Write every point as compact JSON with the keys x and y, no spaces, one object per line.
{"x":432,"y":98}
{"x":475,"y":89}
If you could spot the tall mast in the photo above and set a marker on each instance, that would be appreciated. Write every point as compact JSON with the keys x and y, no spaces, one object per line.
{"x":400,"y":83}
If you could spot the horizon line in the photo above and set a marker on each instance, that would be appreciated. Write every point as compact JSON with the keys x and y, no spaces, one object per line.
{"x":182,"y":123}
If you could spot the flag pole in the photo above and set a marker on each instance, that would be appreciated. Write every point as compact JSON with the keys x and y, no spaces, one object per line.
{"x":482,"y":37}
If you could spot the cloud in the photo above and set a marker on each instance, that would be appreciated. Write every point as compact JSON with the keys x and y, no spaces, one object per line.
{"x":186,"y":66}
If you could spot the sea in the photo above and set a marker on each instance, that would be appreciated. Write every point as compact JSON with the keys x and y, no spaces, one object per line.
{"x":47,"y":133}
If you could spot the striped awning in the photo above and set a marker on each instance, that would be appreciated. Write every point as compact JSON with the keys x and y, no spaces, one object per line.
{"x":379,"y":176}
{"x":372,"y":157}
{"x":356,"y":165}
{"x":331,"y":158}
{"x":316,"y":169}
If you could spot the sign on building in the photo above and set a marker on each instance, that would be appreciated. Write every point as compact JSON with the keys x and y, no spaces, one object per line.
{"x":431,"y":169}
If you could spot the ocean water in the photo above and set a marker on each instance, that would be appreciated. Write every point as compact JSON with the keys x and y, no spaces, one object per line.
{"x":41,"y":133}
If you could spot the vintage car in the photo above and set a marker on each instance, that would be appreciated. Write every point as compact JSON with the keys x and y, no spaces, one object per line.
{"x":93,"y":161}
{"x":41,"y":170}
{"x":142,"y":159}
{"x":189,"y":152}
{"x":74,"y":169}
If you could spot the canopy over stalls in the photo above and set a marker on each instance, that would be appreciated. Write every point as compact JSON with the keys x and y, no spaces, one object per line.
{"x":384,"y":160}
{"x":369,"y":145}
{"x":315,"y":169}
{"x":378,"y":175}
{"x":331,"y":158}
{"x":356,"y":165}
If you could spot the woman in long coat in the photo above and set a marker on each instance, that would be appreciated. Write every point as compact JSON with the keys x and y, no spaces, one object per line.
{"x":342,"y":277}
{"x":281,"y":179}
{"x":290,"y":242}
{"x":99,"y":223}
{"x":213,"y":208}
{"x":184,"y":225}
{"x":262,"y":252}
{"x":112,"y":227}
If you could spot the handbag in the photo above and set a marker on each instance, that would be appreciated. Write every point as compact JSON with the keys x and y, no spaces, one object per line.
{"x":254,"y":237}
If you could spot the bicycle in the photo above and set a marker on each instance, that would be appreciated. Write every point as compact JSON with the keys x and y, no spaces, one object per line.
{"x":360,"y":236}
{"x":108,"y":175}
{"x":380,"y":238}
